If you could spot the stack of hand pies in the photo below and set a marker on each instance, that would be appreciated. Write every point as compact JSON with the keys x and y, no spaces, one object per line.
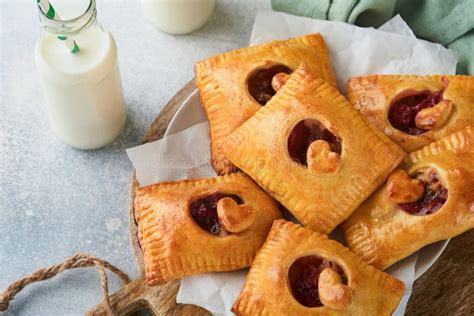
{"x":393,"y":165}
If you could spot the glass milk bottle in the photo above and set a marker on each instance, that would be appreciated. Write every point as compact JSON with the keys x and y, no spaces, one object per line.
{"x":178,"y":16}
{"x":77,"y":64}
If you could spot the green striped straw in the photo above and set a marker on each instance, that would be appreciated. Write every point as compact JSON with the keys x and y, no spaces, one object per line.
{"x":48,"y":9}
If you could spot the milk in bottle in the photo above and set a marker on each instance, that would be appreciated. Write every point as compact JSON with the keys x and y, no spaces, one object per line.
{"x":81,"y":85}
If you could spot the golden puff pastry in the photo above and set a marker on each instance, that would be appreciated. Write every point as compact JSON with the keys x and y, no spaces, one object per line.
{"x":196,"y":226}
{"x":235,"y":85}
{"x":414,"y":110}
{"x":398,"y":219}
{"x":313,"y":152}
{"x":300,"y":272}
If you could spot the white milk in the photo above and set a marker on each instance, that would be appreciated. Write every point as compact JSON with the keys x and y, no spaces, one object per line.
{"x":83,"y":91}
{"x":178,"y":16}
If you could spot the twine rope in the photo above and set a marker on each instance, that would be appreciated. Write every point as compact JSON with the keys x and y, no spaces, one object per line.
{"x":80,"y":260}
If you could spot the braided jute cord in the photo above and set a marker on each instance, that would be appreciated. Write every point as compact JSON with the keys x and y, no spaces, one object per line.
{"x":80,"y":260}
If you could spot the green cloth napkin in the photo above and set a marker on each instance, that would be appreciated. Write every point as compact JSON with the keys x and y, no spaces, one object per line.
{"x":448,"y":22}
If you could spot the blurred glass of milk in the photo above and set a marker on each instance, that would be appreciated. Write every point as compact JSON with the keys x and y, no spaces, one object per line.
{"x":178,"y":16}
{"x":83,"y":89}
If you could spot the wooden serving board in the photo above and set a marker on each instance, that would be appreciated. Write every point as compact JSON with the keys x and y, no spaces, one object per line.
{"x":447,"y":288}
{"x":137,"y":295}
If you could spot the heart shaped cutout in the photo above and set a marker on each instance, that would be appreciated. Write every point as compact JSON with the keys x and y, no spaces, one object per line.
{"x":279,"y":80}
{"x":320,"y":158}
{"x":434,"y":117}
{"x":332,"y":292}
{"x":403,"y":189}
{"x":233,"y":217}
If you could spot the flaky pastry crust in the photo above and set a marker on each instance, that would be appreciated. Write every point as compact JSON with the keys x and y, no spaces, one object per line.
{"x":222,"y":83}
{"x":326,"y":194}
{"x":373,"y":96}
{"x":174,"y":245}
{"x":267,"y":288}
{"x":381,"y":233}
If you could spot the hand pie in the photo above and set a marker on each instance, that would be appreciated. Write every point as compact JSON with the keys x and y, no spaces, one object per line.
{"x":235,"y":85}
{"x":414,"y":110}
{"x":300,"y":272}
{"x":313,"y":152}
{"x":196,"y":226}
{"x":399,"y":219}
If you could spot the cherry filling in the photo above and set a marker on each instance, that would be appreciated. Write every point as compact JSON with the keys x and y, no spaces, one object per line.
{"x":306,"y":132}
{"x":260,"y":83}
{"x":402,"y":113}
{"x":204,"y":211}
{"x":304,"y":279}
{"x":433,"y":198}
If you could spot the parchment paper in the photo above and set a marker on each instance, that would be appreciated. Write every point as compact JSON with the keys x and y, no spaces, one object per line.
{"x":354,"y":51}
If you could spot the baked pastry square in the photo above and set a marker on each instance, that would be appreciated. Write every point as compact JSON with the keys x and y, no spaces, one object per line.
{"x":414,"y":110}
{"x":300,"y":272}
{"x":235,"y":85}
{"x":430,"y":198}
{"x":196,"y":226}
{"x":313,"y":152}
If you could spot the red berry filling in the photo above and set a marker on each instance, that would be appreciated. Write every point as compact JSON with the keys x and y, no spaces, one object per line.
{"x":204,"y":211}
{"x":306,"y":132}
{"x":260,"y":83}
{"x":433,"y":198}
{"x":402,"y":113}
{"x":304,"y":279}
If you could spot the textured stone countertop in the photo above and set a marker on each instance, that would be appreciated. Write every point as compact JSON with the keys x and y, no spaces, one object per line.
{"x":56,"y":201}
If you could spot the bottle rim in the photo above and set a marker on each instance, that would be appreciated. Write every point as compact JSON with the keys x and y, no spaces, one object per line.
{"x":68,"y":26}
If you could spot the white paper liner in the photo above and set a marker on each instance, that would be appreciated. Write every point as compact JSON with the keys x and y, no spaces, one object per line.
{"x":184,"y":155}
{"x":354,"y":51}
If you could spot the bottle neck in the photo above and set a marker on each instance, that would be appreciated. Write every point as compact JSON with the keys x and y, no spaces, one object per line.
{"x":55,"y":26}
